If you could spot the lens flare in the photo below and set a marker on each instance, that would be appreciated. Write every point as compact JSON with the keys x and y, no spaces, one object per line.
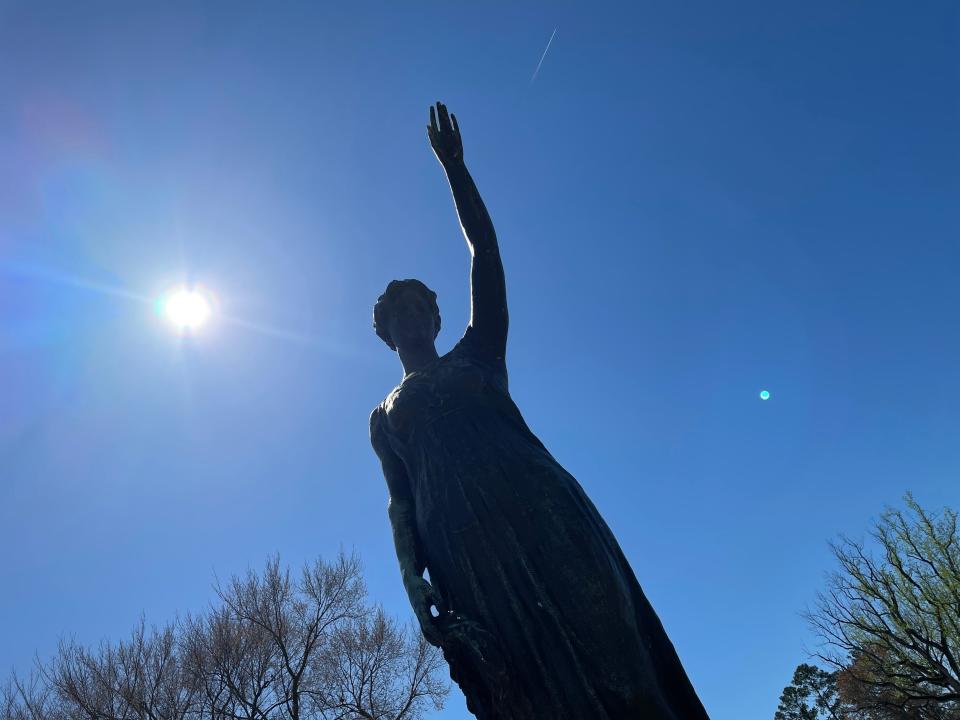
{"x":764,"y":395}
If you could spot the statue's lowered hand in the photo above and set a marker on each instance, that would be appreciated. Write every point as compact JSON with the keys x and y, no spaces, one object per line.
{"x":423,"y":597}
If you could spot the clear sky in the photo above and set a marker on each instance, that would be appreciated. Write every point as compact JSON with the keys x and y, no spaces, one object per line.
{"x":695,"y":201}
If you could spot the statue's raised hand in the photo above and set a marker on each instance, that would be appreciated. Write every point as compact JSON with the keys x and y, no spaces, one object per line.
{"x":444,"y":135}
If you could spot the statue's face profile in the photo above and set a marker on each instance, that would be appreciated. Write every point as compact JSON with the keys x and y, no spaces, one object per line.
{"x":411,"y":319}
{"x":406,"y":315}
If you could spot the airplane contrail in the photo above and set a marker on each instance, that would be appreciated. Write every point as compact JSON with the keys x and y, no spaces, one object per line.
{"x":545,"y":50}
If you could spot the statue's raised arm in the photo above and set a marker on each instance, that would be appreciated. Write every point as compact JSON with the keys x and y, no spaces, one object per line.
{"x":488,"y":293}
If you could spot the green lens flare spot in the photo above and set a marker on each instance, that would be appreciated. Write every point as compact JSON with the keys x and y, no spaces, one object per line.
{"x":764,"y":395}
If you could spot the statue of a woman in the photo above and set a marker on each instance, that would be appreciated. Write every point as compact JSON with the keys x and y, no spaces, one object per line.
{"x":529,"y":595}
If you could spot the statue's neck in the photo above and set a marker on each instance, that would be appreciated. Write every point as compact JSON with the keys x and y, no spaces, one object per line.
{"x":416,"y":358}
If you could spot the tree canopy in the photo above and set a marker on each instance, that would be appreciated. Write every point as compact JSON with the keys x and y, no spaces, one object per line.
{"x":889,"y":618}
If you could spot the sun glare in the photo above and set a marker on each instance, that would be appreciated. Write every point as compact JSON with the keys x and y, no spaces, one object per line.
{"x":187,"y":309}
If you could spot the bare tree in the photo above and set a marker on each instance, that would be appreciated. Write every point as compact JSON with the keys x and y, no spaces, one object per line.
{"x":154,"y":682}
{"x":379,"y":670}
{"x":278,"y":647}
{"x":891,"y":622}
{"x":297,"y":616}
{"x":86,"y":681}
{"x":233,"y":665}
{"x":29,"y":698}
{"x":139,"y":679}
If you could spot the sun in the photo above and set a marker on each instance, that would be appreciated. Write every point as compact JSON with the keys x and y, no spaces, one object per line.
{"x":187,"y":309}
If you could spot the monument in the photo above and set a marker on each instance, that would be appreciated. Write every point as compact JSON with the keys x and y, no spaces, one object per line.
{"x":529,"y":596}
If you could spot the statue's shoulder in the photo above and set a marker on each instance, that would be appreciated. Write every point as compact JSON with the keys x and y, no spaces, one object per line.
{"x":376,"y":417}
{"x":378,"y":438}
{"x":466,"y":345}
{"x":472,"y":347}
{"x":379,"y":415}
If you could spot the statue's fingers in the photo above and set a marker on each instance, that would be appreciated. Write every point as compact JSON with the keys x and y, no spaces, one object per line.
{"x":444,"y":117}
{"x":431,"y":630}
{"x":435,"y":140}
{"x":433,"y":119}
{"x":433,"y":597}
{"x":456,"y":127}
{"x":432,"y":634}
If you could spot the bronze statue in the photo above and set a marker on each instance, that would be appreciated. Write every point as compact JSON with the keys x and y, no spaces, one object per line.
{"x":529,"y":596}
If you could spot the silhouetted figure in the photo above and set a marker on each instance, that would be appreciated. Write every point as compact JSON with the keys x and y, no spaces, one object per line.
{"x":539,"y":613}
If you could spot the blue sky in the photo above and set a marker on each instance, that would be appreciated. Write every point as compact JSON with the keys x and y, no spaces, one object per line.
{"x":695,"y":201}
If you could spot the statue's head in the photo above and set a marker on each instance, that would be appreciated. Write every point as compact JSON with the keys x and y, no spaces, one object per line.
{"x":407,"y":314}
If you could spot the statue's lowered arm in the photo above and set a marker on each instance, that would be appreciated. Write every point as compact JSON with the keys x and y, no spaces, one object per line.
{"x":409,"y":549}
